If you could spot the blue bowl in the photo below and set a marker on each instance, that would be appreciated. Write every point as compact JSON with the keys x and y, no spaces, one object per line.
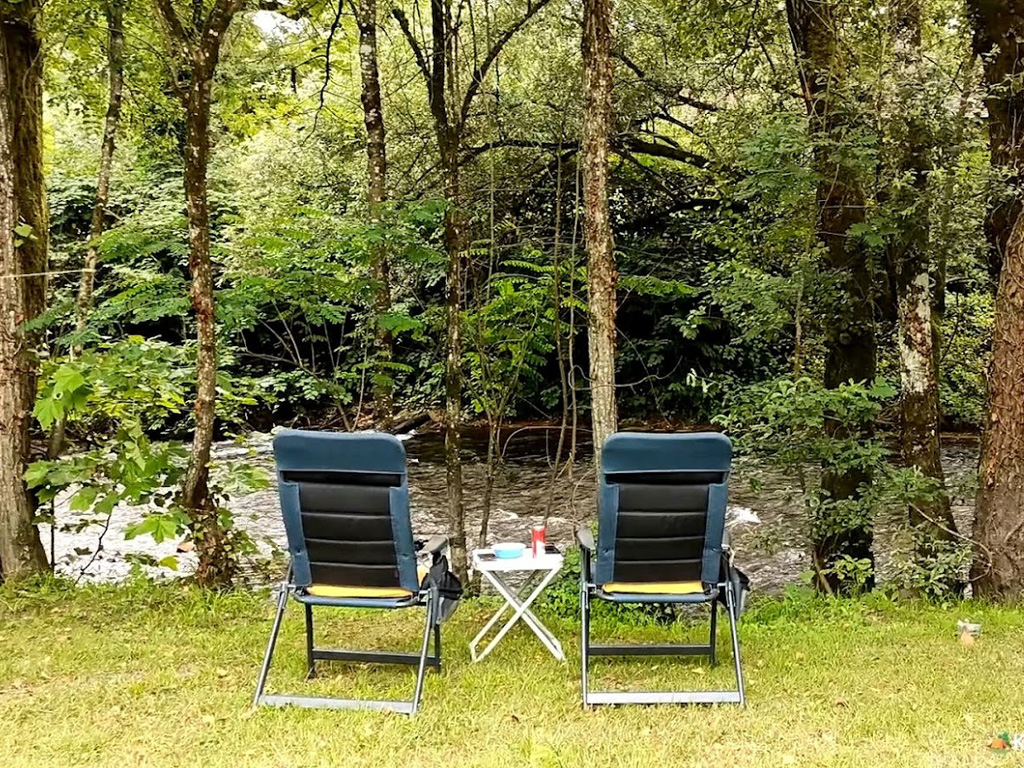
{"x":508,"y":551}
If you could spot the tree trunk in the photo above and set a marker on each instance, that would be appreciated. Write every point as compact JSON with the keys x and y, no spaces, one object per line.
{"x":23,"y":263}
{"x":850,"y":327}
{"x":216,"y":564}
{"x":453,"y":361}
{"x":114,"y":10}
{"x":376,"y":166}
{"x":448,"y":133}
{"x":598,"y":78}
{"x":999,"y":43}
{"x":196,"y":49}
{"x":450,"y":113}
{"x":909,"y":257}
{"x":998,"y":569}
{"x":999,"y":527}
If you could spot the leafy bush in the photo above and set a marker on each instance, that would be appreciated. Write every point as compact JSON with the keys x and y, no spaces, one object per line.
{"x":113,"y":399}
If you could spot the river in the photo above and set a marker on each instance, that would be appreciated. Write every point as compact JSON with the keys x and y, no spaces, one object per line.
{"x":765,"y":516}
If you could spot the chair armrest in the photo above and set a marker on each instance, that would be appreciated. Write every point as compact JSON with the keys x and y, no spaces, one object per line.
{"x":586,"y":541}
{"x":585,"y":537}
{"x":435,"y":544}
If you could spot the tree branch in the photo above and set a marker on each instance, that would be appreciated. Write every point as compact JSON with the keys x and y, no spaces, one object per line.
{"x":437,"y":77}
{"x":295,"y":12}
{"x":217,"y":22}
{"x":480,"y":72}
{"x":671,"y":90}
{"x":680,"y":205}
{"x":623,"y":143}
{"x":652,"y":149}
{"x":470,"y":153}
{"x":327,"y":59}
{"x":421,"y":62}
{"x":166,"y":11}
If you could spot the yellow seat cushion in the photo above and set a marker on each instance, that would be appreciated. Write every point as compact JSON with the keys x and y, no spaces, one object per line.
{"x":654,"y":588}
{"x":323,"y":590}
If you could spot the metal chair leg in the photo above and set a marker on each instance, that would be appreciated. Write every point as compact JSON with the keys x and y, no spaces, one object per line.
{"x":310,"y":661}
{"x":437,"y":645}
{"x":713,"y":641}
{"x":282,"y":601}
{"x":731,"y":609}
{"x":421,"y":672}
{"x":585,"y":650}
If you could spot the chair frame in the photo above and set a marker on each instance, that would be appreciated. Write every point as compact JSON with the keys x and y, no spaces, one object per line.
{"x":427,"y":597}
{"x":723,"y":590}
{"x":589,"y":590}
{"x":298,"y":452}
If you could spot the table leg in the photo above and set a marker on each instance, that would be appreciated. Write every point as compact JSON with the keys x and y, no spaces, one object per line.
{"x":494,"y":619}
{"x":522,"y":611}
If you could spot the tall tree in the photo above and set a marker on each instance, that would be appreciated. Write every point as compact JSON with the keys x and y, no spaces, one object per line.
{"x":451,"y":111}
{"x":849,"y":326}
{"x":194,"y":46}
{"x":23,"y":264}
{"x":598,"y":79}
{"x":376,"y":169}
{"x":114,"y":12}
{"x":912,"y":144}
{"x":998,"y":569}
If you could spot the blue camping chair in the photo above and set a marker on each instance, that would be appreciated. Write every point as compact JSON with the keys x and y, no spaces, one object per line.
{"x":345,"y":501}
{"x":661,"y":539}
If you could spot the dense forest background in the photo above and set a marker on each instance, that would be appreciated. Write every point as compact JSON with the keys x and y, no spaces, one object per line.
{"x":807,"y":213}
{"x":712,"y":202}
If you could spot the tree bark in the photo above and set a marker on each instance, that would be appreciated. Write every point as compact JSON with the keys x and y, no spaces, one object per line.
{"x":114,"y":10}
{"x":598,"y":79}
{"x":909,"y":256}
{"x":850,"y":326}
{"x":998,"y":569}
{"x":999,"y":527}
{"x":453,"y":358}
{"x":198,"y":50}
{"x":23,"y":264}
{"x":448,"y":130}
{"x":376,"y":167}
{"x":998,"y":41}
{"x":215,"y":562}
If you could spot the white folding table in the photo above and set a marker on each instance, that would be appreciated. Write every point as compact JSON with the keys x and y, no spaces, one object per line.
{"x":496,"y":571}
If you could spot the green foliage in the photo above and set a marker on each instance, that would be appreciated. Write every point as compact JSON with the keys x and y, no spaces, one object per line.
{"x":299,"y":298}
{"x":114,"y":399}
{"x":966,"y":343}
{"x":136,"y":380}
{"x":724,"y":297}
{"x":853,"y":572}
{"x":786,"y":422}
{"x":510,"y":333}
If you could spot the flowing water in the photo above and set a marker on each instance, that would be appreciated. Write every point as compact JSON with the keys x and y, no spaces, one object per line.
{"x":766,"y":514}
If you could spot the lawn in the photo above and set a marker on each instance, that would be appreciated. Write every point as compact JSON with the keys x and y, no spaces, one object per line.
{"x":163,"y":675}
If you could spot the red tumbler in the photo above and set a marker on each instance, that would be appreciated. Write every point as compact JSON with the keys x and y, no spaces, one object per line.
{"x":538,"y":540}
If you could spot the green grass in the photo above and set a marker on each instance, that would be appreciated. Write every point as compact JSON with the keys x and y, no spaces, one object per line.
{"x":163,"y":675}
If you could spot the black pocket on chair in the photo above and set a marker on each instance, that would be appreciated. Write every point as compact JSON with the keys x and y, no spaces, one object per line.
{"x":449,"y":588}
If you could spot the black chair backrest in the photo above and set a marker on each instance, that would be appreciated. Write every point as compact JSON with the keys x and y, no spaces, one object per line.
{"x":661,"y":507}
{"x":661,"y":525}
{"x":345,"y":504}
